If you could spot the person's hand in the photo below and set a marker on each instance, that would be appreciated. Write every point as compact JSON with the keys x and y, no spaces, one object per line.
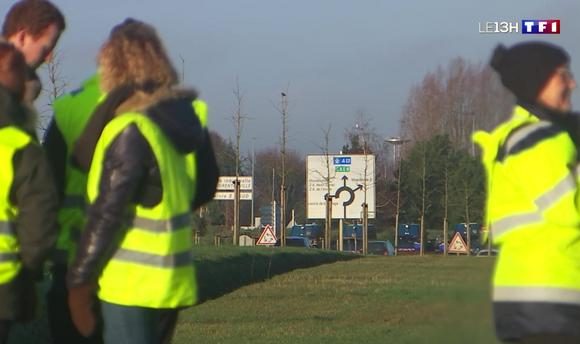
{"x":80,"y":302}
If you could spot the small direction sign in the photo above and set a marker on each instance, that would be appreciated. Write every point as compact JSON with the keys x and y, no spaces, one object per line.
{"x":226,"y":183}
{"x":229,"y":196}
{"x":457,"y":244}
{"x":267,"y":237}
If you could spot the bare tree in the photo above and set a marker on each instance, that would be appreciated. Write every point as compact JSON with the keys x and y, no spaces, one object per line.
{"x":53,"y":88}
{"x":283,"y":110}
{"x":328,"y":178}
{"x":455,"y":101}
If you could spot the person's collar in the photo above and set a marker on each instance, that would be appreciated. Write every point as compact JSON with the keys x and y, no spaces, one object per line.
{"x":542,"y":112}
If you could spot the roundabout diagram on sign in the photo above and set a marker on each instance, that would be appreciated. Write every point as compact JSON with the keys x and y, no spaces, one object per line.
{"x":347,"y":180}
{"x":345,"y":189}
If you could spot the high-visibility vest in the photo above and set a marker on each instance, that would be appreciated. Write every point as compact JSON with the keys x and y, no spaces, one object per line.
{"x":71,"y":114}
{"x":12,"y":139}
{"x":533,"y":210}
{"x":200,"y":108}
{"x":152,"y":266}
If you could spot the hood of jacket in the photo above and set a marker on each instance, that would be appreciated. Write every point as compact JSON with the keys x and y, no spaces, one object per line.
{"x":172,"y":110}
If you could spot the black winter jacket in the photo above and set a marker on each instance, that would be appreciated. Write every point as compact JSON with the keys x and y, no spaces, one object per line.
{"x":34,"y":193}
{"x":131,"y":176}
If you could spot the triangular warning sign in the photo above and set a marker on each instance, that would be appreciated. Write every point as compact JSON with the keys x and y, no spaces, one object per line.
{"x":267,"y":237}
{"x":457,"y":244}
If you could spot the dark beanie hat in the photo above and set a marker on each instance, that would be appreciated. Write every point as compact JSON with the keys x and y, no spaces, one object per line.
{"x":526,"y":67}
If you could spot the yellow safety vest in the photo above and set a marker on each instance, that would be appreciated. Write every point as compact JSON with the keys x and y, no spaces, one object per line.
{"x":152,"y":266}
{"x":12,"y":139}
{"x":533,"y":210}
{"x":71,"y":114}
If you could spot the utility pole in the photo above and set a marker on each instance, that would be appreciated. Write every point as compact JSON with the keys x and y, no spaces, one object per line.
{"x":283,"y":112}
{"x":237,"y":119}
{"x":397,"y":142}
{"x":365,"y":207}
{"x":253,"y":183}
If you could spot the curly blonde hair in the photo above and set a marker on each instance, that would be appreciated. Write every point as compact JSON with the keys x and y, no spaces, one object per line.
{"x":134,"y":54}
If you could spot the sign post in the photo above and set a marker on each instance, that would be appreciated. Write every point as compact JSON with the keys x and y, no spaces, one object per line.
{"x":235,"y":188}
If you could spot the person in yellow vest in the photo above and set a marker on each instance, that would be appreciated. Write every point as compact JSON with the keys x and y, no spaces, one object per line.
{"x":533,"y":198}
{"x":28,"y":199}
{"x":72,"y":111}
{"x":142,"y":187}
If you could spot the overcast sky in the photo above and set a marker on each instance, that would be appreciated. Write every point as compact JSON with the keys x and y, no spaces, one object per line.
{"x":333,"y":57}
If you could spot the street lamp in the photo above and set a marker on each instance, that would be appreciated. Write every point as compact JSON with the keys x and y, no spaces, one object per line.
{"x":396,"y":142}
{"x":365,"y":206}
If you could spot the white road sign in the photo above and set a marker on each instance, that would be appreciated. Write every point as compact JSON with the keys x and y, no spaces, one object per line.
{"x":351,"y":179}
{"x":229,"y":196}
{"x":227,"y":183}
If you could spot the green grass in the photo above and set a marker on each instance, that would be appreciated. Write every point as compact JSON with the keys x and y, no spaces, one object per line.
{"x":370,"y":300}
{"x":273,"y":295}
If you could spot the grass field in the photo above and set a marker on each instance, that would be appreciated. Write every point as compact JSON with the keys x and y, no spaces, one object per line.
{"x":265,"y":295}
{"x":369,"y":300}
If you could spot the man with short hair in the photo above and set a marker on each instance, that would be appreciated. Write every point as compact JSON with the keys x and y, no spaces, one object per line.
{"x":34,"y":27}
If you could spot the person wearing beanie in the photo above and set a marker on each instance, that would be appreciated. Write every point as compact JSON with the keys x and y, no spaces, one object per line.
{"x":532,"y":167}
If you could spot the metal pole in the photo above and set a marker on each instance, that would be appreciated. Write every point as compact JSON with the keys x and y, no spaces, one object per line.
{"x":282,"y":215}
{"x":283,"y":183}
{"x":445,"y":230}
{"x":365,"y":229}
{"x":340,"y":235}
{"x":396,"y":142}
{"x":398,"y":203}
{"x":253,"y":163}
{"x":236,"y":235}
{"x":328,"y":222}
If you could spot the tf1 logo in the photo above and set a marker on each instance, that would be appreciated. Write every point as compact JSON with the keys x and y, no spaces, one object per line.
{"x":536,"y":26}
{"x":527,"y":27}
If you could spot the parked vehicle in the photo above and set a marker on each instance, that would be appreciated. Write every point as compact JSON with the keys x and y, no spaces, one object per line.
{"x":405,"y":246}
{"x":297,"y":241}
{"x":381,"y":248}
{"x":486,"y":253}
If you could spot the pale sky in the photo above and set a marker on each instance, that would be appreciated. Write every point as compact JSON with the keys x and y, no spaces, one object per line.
{"x":333,"y":57}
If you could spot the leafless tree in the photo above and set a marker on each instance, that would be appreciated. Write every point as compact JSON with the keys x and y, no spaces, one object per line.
{"x":237,"y":118}
{"x":456,"y":101}
{"x":328,"y":178}
{"x":54,"y":87}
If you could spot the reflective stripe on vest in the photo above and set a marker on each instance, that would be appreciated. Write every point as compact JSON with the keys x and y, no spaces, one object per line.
{"x":536,"y":294}
{"x":6,"y":227}
{"x":12,"y":139}
{"x":152,"y":266}
{"x":176,"y":222}
{"x":545,"y":201}
{"x":163,"y":262}
{"x":8,"y":257}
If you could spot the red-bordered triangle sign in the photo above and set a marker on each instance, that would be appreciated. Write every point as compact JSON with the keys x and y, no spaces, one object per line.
{"x":267,"y":237}
{"x":457,"y":244}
